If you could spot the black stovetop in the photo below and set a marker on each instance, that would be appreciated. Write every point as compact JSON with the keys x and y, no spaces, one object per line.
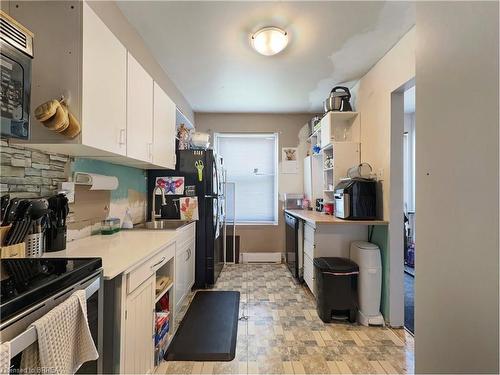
{"x":27,"y":281}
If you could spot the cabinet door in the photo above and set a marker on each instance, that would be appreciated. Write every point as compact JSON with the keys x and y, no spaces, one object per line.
{"x":326,"y":130}
{"x":139,"y":112}
{"x":104,"y":86}
{"x":190,"y":266}
{"x":180,"y":278}
{"x":163,"y":129}
{"x":139,"y":329}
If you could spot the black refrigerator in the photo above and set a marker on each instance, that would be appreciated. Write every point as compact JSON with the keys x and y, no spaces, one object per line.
{"x":202,"y":171}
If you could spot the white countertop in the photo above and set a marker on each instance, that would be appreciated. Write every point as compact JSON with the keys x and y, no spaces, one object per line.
{"x":315,"y":217}
{"x":119,"y":252}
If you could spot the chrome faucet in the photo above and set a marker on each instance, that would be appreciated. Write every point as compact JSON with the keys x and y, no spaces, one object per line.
{"x":154,"y":215}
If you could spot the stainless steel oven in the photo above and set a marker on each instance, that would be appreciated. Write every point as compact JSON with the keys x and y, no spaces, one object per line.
{"x":52,"y":283}
{"x":16,"y":46}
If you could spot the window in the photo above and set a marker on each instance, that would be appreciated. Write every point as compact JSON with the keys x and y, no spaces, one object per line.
{"x":251,"y":162}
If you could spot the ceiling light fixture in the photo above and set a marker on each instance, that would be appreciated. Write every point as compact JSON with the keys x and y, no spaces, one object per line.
{"x":269,"y":40}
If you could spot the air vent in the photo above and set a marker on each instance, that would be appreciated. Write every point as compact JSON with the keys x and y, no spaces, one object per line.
{"x":13,"y":34}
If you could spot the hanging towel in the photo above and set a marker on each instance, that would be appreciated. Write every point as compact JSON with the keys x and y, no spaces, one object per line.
{"x":5,"y":358}
{"x":64,"y":339}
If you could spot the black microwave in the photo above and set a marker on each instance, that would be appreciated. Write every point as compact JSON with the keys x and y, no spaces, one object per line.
{"x":16,"y":46}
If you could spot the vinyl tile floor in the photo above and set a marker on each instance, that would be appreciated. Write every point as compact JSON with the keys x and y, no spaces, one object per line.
{"x":282,"y":333}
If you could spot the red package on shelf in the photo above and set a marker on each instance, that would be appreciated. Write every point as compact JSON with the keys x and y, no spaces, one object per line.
{"x":164,"y":302}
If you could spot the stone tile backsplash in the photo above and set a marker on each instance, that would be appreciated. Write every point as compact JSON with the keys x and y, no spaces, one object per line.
{"x":27,"y":173}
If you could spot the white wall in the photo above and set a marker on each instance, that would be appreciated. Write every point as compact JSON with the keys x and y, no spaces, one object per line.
{"x":373,"y":100}
{"x":457,"y":130}
{"x":379,"y":97}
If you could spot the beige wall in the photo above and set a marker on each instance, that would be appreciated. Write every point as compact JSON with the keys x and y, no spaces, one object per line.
{"x":379,"y":96}
{"x":373,"y":100}
{"x":457,"y":143}
{"x":261,"y":238}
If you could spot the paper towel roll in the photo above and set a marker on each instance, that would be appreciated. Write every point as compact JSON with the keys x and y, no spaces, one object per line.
{"x":96,"y":181}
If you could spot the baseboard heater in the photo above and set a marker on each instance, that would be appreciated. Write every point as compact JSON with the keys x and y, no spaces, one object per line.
{"x":260,"y":257}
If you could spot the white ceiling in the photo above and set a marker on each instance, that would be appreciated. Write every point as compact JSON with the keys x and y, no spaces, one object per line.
{"x":203,"y":47}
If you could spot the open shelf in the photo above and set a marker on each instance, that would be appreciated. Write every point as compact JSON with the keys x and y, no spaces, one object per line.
{"x":165,"y":290}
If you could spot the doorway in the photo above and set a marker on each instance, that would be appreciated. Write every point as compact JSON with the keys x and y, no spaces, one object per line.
{"x":409,"y":207}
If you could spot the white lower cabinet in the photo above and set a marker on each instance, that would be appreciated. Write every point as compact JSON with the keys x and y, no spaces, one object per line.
{"x":309,"y":252}
{"x":139,"y":328}
{"x":185,"y":265}
{"x":130,"y":305}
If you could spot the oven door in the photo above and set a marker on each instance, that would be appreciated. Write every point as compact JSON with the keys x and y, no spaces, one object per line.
{"x":17,"y":331}
{"x":15,"y":80}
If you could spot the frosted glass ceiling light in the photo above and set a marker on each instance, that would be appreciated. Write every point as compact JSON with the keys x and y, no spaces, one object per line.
{"x":269,"y":41}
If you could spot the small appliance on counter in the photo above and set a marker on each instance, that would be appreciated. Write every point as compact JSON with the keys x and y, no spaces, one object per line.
{"x":356,"y":199}
{"x":319,"y":204}
{"x":293,"y":201}
{"x":338,"y":100}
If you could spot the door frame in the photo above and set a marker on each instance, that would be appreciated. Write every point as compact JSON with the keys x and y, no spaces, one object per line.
{"x":396,"y":208}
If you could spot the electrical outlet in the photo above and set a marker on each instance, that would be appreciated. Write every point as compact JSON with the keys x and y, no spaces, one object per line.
{"x":380,"y":174}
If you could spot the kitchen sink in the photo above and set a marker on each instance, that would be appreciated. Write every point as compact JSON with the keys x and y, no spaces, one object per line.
{"x":163,"y":224}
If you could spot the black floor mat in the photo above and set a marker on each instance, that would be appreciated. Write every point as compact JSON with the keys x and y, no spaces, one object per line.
{"x":209,"y":329}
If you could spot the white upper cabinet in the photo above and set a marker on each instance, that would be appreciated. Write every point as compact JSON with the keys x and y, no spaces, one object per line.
{"x":163,"y":129}
{"x":326,"y":131}
{"x":340,"y":127}
{"x":139,"y":112}
{"x":104,"y":86}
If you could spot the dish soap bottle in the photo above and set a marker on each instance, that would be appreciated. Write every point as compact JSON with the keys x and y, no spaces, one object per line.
{"x":127,"y":220}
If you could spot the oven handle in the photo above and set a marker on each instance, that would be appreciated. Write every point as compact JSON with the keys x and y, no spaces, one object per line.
{"x":28,"y":337}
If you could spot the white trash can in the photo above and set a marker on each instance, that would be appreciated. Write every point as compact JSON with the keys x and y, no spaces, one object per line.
{"x":367,"y":256}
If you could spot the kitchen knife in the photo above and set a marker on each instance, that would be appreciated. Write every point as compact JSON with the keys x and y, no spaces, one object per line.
{"x":10,"y":215}
{"x":4,"y":205}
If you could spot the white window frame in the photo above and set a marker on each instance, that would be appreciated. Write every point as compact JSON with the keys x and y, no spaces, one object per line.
{"x":219,"y":135}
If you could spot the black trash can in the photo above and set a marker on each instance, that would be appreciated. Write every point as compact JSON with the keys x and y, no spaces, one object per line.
{"x":336,"y":288}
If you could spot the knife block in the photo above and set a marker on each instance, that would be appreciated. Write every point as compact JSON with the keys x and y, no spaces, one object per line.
{"x":13,"y":251}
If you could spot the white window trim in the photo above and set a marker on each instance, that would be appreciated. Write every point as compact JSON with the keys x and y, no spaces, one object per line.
{"x":218,"y":135}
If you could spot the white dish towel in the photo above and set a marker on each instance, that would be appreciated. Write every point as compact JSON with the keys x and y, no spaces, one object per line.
{"x":5,"y":358}
{"x":64,"y":339}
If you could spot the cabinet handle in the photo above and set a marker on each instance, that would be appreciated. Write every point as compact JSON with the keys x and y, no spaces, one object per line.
{"x":122,"y":137}
{"x":160,"y":262}
{"x":189,"y":254}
